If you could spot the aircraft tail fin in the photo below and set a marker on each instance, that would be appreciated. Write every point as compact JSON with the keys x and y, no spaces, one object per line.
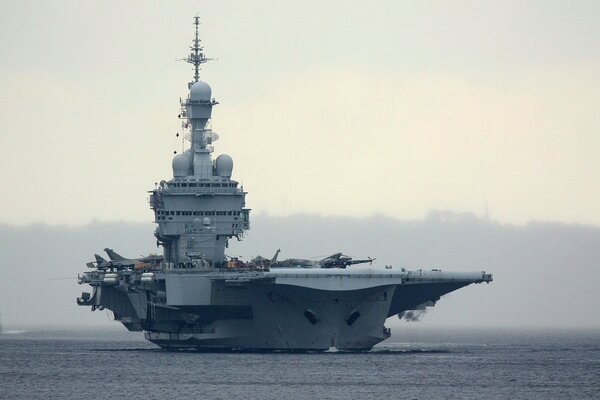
{"x":274,"y":259}
{"x":114,"y":256}
{"x":99,"y":259}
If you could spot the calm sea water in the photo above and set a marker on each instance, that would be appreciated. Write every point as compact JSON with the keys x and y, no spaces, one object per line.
{"x":413,"y":364}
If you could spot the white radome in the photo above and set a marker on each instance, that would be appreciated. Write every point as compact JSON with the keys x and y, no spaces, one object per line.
{"x":200,"y":91}
{"x":224,"y":165}
{"x":182,"y":164}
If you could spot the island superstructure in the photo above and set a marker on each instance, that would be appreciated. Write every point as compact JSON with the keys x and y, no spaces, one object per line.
{"x":194,"y":297}
{"x":201,"y":208}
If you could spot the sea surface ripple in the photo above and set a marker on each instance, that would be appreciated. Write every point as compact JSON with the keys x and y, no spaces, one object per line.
{"x":416,"y":364}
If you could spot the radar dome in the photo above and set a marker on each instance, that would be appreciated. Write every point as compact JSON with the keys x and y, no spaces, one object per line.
{"x":224,"y":165}
{"x":200,"y":91}
{"x":182,"y":164}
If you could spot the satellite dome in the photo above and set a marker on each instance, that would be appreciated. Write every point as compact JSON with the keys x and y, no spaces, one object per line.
{"x":182,"y":164}
{"x":200,"y":91}
{"x":224,"y":165}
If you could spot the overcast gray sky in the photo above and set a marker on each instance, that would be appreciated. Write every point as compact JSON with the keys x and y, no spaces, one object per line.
{"x":337,"y":108}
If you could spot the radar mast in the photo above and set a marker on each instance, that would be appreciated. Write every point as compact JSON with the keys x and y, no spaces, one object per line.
{"x":196,"y":57}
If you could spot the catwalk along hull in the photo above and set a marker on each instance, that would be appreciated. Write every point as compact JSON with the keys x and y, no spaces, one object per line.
{"x":285,"y":309}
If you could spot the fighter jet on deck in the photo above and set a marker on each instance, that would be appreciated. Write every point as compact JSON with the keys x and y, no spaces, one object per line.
{"x":265,"y":262}
{"x":118,"y":262}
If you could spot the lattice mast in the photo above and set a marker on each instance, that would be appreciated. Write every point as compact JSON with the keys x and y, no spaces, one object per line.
{"x":196,"y":56}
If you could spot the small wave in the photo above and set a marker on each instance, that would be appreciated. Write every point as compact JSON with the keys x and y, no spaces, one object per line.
{"x":131,"y":349}
{"x":410,"y":351}
{"x":12,"y":332}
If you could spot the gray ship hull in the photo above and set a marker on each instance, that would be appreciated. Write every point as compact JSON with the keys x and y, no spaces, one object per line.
{"x":284,"y":310}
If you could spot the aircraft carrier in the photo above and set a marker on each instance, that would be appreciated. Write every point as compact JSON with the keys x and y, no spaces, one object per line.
{"x":194,"y":297}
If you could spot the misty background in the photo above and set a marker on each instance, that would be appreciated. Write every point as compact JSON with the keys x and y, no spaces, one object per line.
{"x":347,"y":121}
{"x":336,"y":108}
{"x":545,"y":274}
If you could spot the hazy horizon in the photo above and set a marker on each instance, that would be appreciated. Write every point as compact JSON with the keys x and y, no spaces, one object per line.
{"x":265,"y":213}
{"x":544,"y":273}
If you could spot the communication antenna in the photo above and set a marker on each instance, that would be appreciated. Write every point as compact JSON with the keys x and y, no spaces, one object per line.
{"x":196,"y":57}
